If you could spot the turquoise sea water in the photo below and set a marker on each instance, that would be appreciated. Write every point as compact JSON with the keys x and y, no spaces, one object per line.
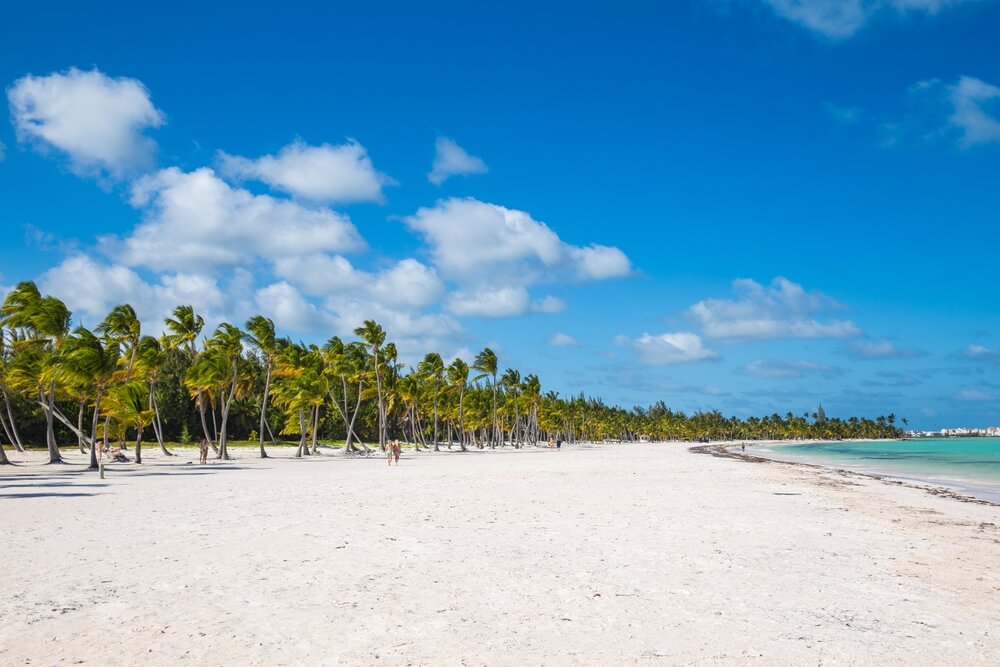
{"x":971,"y":465}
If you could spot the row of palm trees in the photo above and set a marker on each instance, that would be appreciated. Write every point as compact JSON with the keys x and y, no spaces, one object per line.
{"x":114,"y":375}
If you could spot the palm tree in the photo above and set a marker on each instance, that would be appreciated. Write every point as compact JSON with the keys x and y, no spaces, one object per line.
{"x":91,"y":361}
{"x":46,"y":320}
{"x":127,"y":405}
{"x":227,"y":342}
{"x":432,"y":368}
{"x":458,"y":379}
{"x":122,"y":326}
{"x":374,"y":337}
{"x":486,"y":362}
{"x":511,"y":381}
{"x":6,"y":353}
{"x":183,"y":331}
{"x":149,"y":361}
{"x":260,"y":335}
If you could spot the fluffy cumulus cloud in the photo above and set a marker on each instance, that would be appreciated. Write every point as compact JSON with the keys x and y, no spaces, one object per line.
{"x":195,"y":221}
{"x":97,"y":121}
{"x":322,"y":173}
{"x":490,"y":302}
{"x":839,"y":19}
{"x":563,"y":340}
{"x":782,"y":310}
{"x":477,"y":242}
{"x":788,"y":369}
{"x":668,"y":348}
{"x":283,"y":303}
{"x":450,"y":159}
{"x":93,"y":288}
{"x":406,"y":283}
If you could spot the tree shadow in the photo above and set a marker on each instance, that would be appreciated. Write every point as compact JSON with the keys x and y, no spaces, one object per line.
{"x":46,"y":495}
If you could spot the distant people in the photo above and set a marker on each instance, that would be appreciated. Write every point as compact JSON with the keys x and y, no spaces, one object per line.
{"x":558,"y":444}
{"x":203,"y":454}
{"x":743,"y":447}
{"x":397,"y":449}
{"x":101,"y":447}
{"x":552,"y":442}
{"x":389,"y":449}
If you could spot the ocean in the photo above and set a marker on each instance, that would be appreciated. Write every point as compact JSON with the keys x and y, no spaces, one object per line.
{"x":969,"y":465}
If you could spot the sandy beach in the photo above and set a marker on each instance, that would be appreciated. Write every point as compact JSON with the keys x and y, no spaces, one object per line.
{"x":635,"y":554}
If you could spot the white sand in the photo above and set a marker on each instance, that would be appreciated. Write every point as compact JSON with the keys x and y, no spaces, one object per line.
{"x":589,"y":555}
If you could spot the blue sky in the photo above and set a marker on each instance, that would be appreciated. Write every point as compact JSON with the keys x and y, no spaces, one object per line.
{"x":749,"y":205}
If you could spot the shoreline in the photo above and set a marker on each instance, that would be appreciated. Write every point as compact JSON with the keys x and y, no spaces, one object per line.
{"x":936,"y":488}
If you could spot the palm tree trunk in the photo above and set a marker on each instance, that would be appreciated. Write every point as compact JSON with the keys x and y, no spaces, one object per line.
{"x":315,"y":433}
{"x":93,"y":430}
{"x":461,"y":419}
{"x":3,"y":456}
{"x":6,"y":430}
{"x":138,"y":444}
{"x":18,"y":445}
{"x":437,"y":447}
{"x":263,"y":410}
{"x":223,"y":441}
{"x":302,"y":434}
{"x":79,"y":426}
{"x":50,"y":427}
{"x":204,"y":422}
{"x":157,"y":425}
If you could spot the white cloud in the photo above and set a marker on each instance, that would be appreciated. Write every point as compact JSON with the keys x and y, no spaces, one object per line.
{"x":283,"y":304}
{"x":407,"y":283}
{"x":196,"y":222}
{"x":490,"y":302}
{"x":782,"y":310}
{"x":969,"y":98}
{"x":879,"y":349}
{"x":669,"y":348}
{"x":450,"y":159}
{"x":839,"y":19}
{"x":92,"y":289}
{"x":787,"y":369}
{"x":976,"y":395}
{"x":322,"y":173}
{"x":598,"y":262}
{"x":549,"y":305}
{"x":477,"y":242}
{"x":563,"y":340}
{"x":96,"y":120}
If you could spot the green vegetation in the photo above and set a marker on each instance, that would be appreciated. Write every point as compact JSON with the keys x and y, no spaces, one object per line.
{"x":237,"y":385}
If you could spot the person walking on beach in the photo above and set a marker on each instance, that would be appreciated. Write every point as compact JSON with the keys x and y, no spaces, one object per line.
{"x":203,"y":446}
{"x":392,"y":451}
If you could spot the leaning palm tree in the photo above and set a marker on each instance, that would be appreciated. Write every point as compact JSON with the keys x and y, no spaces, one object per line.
{"x":374,"y":337}
{"x":458,"y":380}
{"x":127,"y":407}
{"x":6,"y":355}
{"x":45,"y":321}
